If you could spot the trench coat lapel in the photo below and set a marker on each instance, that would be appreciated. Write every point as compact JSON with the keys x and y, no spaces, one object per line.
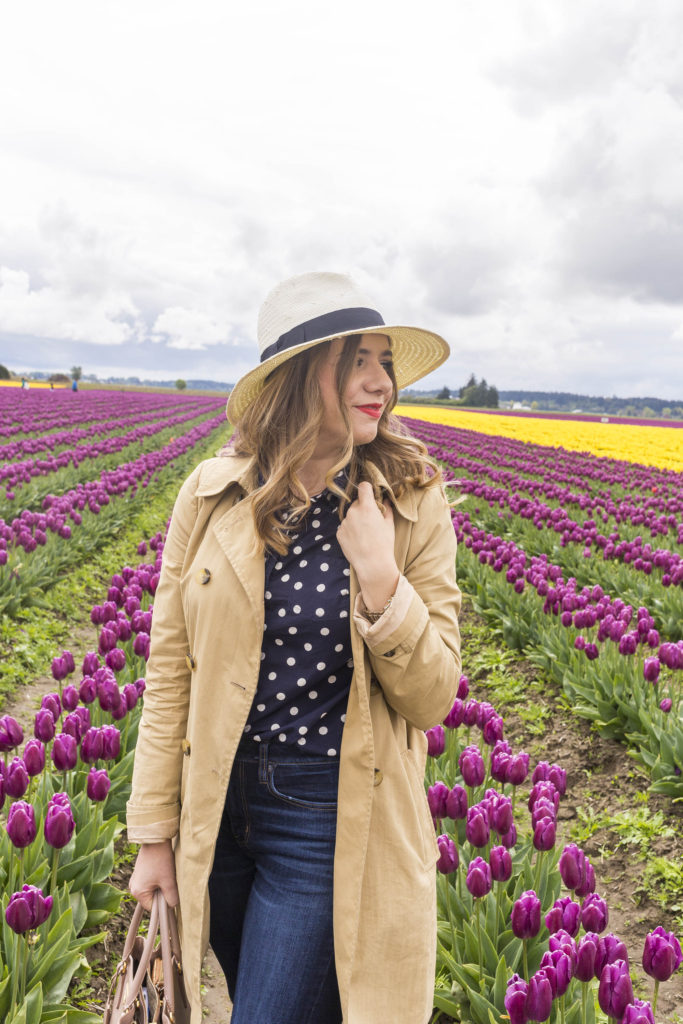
{"x":234,"y":531}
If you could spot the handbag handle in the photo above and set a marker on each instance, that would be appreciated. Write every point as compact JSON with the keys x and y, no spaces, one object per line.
{"x":162,"y":919}
{"x":170,"y":948}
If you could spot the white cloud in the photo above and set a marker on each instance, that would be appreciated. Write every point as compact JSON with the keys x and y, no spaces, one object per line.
{"x":187,"y":329}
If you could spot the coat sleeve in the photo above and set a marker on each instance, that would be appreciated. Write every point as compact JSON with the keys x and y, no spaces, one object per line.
{"x":414,"y":648}
{"x":153,"y":811}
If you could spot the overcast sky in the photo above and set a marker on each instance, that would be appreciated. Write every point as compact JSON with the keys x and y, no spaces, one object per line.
{"x":508,"y":173}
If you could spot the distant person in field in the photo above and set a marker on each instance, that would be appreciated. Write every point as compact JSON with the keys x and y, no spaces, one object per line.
{"x":74,"y":385}
{"x":305,"y":633}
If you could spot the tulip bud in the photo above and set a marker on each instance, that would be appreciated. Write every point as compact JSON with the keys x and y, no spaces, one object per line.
{"x":515,"y":1000}
{"x":565,"y":914}
{"x":111,"y":742}
{"x":448,"y":855}
{"x":21,"y":824}
{"x":16,"y":778}
{"x":34,"y":757}
{"x":91,"y":663}
{"x":98,"y":784}
{"x":70,"y":698}
{"x":52,"y":702}
{"x":586,"y":957}
{"x":64,"y":752}
{"x":539,"y":998}
{"x":572,"y":865}
{"x":500,"y":863}
{"x":559,"y":970}
{"x":456,"y":803}
{"x":27,"y":909}
{"x":472,"y":766}
{"x":140,"y":686}
{"x":436,"y":741}
{"x":115,"y":659}
{"x":651,"y":667}
{"x":141,"y":645}
{"x":477,"y":829}
{"x":587,"y":885}
{"x":436,"y":798}
{"x":665,"y":705}
{"x":518,"y":769}
{"x":478,"y":879}
{"x":508,"y":839}
{"x":59,"y":670}
{"x":615,"y":990}
{"x":594,"y":913}
{"x":108,"y":640}
{"x":59,"y":823}
{"x":44,"y":726}
{"x":638,"y":1012}
{"x":544,"y":834}
{"x":526,"y":915}
{"x":662,"y":954}
{"x":455,"y":716}
{"x":610,"y":949}
{"x":68,"y":659}
{"x":11,"y":733}
{"x":463,"y":687}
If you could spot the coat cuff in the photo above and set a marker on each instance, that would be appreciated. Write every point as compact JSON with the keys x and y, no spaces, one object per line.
{"x":377,"y":633}
{"x":152,"y":826}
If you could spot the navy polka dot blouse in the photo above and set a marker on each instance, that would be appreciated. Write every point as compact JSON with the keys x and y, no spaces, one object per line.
{"x":306,"y":662}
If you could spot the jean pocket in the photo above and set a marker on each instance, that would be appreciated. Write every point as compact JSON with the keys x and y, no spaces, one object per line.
{"x":311,"y":785}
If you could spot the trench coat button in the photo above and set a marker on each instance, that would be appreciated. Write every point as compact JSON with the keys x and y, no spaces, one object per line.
{"x":378,"y":777}
{"x":204,"y":576}
{"x":190,"y":662}
{"x":186,"y":747}
{"x":391,"y":653}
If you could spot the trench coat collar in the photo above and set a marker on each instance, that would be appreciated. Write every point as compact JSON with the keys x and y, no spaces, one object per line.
{"x":220,"y":473}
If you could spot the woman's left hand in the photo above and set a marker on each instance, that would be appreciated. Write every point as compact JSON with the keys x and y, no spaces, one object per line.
{"x":366,"y":537}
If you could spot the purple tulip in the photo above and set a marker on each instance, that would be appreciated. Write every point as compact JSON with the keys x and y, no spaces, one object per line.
{"x":11,"y":733}
{"x":98,"y":784}
{"x":500,"y":863}
{"x":478,"y":880}
{"x":87,"y":691}
{"x":544,"y":790}
{"x":539,"y":999}
{"x":436,"y":797}
{"x":59,"y":823}
{"x":526,"y":915}
{"x":559,"y":970}
{"x":130,"y":695}
{"x":91,"y":746}
{"x":436,"y":741}
{"x":508,"y":839}
{"x":115,"y":659}
{"x":518,"y":769}
{"x":615,"y":990}
{"x":27,"y":909}
{"x":16,"y":778}
{"x":564,"y":941}
{"x":70,"y":698}
{"x":572,"y":865}
{"x":586,"y":957}
{"x":665,"y":705}
{"x":544,"y":834}
{"x":610,"y":949}
{"x":111,"y":742}
{"x":140,"y":685}
{"x":59,"y":669}
{"x":587,"y":884}
{"x":472,"y":766}
{"x":64,"y":752}
{"x":594,"y":913}
{"x":463,"y":687}
{"x":448,"y":855}
{"x":638,"y":1012}
{"x":44,"y":726}
{"x":471,"y":713}
{"x":456,"y":803}
{"x":141,"y":645}
{"x":455,"y":716}
{"x":91,"y":663}
{"x":108,"y":692}
{"x":651,"y":667}
{"x":591,"y":651}
{"x":565,"y":914}
{"x":53,"y":703}
{"x":21,"y":824}
{"x":515,"y":1000}
{"x":477,"y":829}
{"x":68,"y":659}
{"x":662,"y":954}
{"x":108,"y":641}
{"x":492,"y":730}
{"x":544,"y":772}
{"x":34,"y":757}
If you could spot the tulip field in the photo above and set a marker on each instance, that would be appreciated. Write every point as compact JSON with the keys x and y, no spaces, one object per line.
{"x":570,"y":548}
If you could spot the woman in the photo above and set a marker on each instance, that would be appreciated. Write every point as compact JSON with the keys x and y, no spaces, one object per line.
{"x":305,"y":634}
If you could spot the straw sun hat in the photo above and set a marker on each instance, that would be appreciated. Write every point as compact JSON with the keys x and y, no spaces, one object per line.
{"x":306,"y":310}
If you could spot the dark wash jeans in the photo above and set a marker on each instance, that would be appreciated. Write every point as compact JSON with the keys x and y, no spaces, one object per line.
{"x":271,"y":887}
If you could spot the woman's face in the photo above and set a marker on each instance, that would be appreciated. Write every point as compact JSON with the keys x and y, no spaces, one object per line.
{"x":367,"y":392}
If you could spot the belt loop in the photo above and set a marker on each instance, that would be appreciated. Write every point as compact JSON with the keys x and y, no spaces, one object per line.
{"x":263,"y":762}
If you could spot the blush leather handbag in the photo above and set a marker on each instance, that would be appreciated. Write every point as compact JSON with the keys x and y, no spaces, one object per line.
{"x":148,"y":983}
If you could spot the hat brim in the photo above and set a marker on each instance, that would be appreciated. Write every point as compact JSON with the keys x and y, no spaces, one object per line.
{"x":416,"y":352}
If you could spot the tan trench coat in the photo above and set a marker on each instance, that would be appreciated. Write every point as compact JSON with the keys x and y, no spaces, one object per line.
{"x":201,"y":680}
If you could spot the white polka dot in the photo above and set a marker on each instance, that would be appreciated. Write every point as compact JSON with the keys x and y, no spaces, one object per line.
{"x":320,"y":588}
{"x":285,"y":578}
{"x":301,"y":742}
{"x":296,"y":609}
{"x":332,"y":679}
{"x":332,"y":752}
{"x":308,"y":647}
{"x":298,"y":586}
{"x":344,"y":592}
{"x":279,"y":642}
{"x":260,"y":707}
{"x":297,"y":550}
{"x":291,"y":661}
{"x":278,"y":565}
{"x":301,"y":682}
{"x":263,"y":655}
{"x":267,"y":595}
{"x":312,"y":694}
{"x":294,"y":711}
{"x":316,"y":512}
{"x":292,"y":630}
{"x":349,"y":663}
{"x":247,"y":728}
{"x":272,"y":675}
{"x":280,"y":696}
{"x":343,"y":717}
{"x":274,"y":727}
{"x":303,"y":563}
{"x":282,"y":737}
{"x":339,"y":647}
{"x":347,"y":572}
{"x":315,"y":524}
{"x":318,"y":536}
{"x":324,"y":715}
{"x":282,"y":612}
{"x":323,"y":730}
{"x":320,"y":666}
{"x":303,"y":730}
{"x":324,"y":566}
{"x":324,"y":631}
{"x":257,"y":738}
{"x":343,"y":615}
{"x":326,"y":547}
{"x":320,"y":612}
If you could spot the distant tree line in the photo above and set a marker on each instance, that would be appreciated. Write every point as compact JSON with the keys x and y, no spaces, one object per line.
{"x":567,"y":401}
{"x":477,"y":394}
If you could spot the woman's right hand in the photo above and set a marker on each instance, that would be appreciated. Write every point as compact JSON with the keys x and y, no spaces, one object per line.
{"x":154,"y":869}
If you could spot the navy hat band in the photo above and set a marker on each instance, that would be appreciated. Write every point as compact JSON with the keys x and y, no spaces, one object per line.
{"x":340,"y":321}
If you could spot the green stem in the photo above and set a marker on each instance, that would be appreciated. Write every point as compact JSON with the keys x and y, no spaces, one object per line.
{"x":23,"y":969}
{"x":21,"y":870}
{"x":481,"y":953}
{"x":53,"y":877}
{"x":584,"y":1001}
{"x":562,"y":1001}
{"x":499,"y":894}
{"x":537,"y":879}
{"x":654,"y":997}
{"x":524,"y":960}
{"x":448,"y":911}
{"x":15,"y":977}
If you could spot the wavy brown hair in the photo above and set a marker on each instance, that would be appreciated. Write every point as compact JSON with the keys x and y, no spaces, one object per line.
{"x":280,"y":429}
